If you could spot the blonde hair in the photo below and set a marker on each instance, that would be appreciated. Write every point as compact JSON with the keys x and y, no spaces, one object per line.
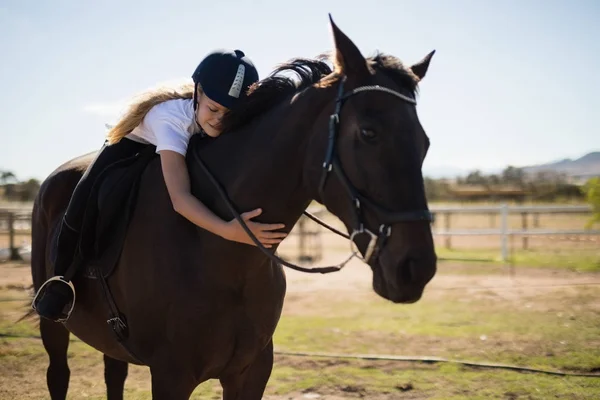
{"x":138,"y":110}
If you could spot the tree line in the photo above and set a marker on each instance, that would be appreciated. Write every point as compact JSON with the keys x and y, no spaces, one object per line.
{"x":12,"y":189}
{"x":541,"y":186}
{"x":544,"y":186}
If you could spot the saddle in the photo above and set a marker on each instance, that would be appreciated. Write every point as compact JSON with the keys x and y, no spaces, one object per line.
{"x":108,"y":212}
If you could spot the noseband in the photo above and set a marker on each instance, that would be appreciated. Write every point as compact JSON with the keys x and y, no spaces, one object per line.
{"x":332,"y":163}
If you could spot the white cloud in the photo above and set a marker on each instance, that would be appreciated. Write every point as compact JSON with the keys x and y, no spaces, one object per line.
{"x":106,"y":109}
{"x":113,"y":109}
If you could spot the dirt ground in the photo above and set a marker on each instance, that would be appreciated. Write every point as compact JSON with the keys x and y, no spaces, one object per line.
{"x":311,"y":291}
{"x":356,"y":278}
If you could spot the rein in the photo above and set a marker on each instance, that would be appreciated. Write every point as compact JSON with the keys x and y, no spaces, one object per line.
{"x":331,"y":163}
{"x":322,"y":270}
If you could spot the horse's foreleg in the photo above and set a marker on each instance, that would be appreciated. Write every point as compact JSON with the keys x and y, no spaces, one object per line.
{"x":56,"y":342}
{"x":115,"y":373}
{"x":252,"y":383}
{"x":169,"y":383}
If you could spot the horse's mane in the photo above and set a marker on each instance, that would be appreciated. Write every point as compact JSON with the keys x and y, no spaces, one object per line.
{"x":270,"y":91}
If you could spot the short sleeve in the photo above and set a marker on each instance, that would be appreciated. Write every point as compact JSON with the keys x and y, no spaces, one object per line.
{"x":169,"y":129}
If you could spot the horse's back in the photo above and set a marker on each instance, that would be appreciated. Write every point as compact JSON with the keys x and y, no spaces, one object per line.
{"x":56,"y":190}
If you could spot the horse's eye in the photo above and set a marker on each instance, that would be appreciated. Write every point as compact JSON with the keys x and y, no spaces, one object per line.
{"x":368,"y":134}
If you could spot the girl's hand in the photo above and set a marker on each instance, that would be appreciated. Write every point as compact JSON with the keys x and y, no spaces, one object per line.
{"x":263,"y":232}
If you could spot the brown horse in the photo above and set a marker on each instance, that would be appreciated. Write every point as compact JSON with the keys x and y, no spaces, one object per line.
{"x":200,"y":307}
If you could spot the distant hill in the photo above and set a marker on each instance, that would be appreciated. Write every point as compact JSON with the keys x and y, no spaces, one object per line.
{"x":578,"y":169}
{"x":586,"y":166}
{"x":450,"y":172}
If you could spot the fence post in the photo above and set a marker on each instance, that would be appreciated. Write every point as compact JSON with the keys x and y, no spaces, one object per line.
{"x":524,"y":226}
{"x":447,"y":228}
{"x":504,"y":231}
{"x":14,"y":252}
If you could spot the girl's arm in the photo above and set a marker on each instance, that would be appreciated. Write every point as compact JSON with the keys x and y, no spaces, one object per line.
{"x":176,"y":177}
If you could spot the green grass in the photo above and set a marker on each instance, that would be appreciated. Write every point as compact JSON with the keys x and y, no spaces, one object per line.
{"x":581,"y":260}
{"x":554,"y":329}
{"x":429,"y":382}
{"x":487,"y":328}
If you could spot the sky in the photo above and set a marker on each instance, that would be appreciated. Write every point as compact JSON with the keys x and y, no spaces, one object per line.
{"x":512,"y":82}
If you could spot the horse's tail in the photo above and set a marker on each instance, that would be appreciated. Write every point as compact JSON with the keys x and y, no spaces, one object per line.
{"x":140,"y":108}
{"x":39,"y":237}
{"x":29,"y":314}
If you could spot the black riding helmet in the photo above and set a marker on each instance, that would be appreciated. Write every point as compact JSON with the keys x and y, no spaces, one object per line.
{"x":225,"y":76}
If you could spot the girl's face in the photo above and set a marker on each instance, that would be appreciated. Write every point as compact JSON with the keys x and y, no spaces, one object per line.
{"x":209,"y":114}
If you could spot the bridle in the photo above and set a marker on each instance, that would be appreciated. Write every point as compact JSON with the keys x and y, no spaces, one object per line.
{"x":332,"y":163}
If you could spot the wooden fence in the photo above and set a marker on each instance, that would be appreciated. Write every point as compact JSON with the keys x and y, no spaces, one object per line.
{"x":15,"y":222}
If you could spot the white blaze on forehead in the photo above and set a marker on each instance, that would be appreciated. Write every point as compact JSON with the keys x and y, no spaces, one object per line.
{"x":238,"y":82}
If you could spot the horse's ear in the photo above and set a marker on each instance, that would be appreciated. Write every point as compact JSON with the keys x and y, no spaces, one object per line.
{"x":420,"y":68}
{"x":348,"y":59}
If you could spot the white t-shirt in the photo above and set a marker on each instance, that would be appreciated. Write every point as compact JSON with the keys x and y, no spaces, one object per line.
{"x":168,"y":126}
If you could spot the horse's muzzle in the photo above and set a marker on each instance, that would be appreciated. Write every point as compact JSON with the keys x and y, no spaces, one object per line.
{"x":405,"y":280}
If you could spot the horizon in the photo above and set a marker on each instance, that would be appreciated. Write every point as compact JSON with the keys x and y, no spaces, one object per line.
{"x":435,"y":171}
{"x":510,"y":84}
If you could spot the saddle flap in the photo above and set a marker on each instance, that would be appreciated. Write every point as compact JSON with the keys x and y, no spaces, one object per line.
{"x":109,"y":208}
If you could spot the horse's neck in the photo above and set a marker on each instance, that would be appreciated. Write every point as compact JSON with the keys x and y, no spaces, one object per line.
{"x":266,"y":161}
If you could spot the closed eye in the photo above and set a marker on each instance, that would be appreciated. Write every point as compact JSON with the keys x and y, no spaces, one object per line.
{"x":368,"y":134}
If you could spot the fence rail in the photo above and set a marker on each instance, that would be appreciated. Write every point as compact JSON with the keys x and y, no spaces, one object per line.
{"x":516,"y":232}
{"x":504,"y":231}
{"x":9,"y":225}
{"x":565,"y":209}
{"x":15,"y":222}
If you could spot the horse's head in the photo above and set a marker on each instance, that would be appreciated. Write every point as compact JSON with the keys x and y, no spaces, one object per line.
{"x":371,"y":176}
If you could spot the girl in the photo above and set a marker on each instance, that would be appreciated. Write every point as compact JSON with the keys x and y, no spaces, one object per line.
{"x":166,"y":120}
